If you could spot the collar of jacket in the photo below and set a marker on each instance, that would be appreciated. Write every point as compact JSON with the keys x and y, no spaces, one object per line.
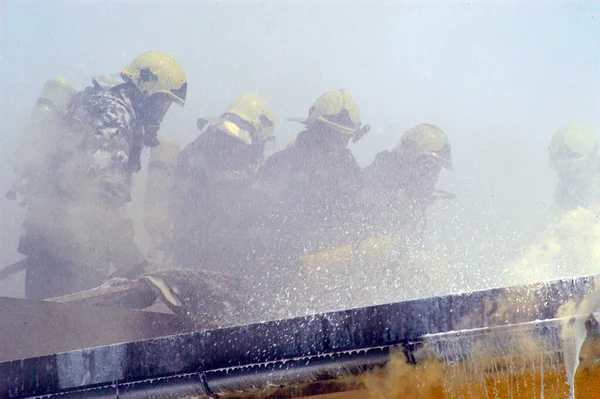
{"x":109,"y":82}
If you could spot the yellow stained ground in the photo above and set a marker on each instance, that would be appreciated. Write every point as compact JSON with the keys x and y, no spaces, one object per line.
{"x":537,"y":376}
{"x":423,"y":384}
{"x":521,"y":368}
{"x":553,"y":385}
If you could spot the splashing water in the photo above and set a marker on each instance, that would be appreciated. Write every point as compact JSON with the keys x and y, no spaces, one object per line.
{"x":573,"y":336}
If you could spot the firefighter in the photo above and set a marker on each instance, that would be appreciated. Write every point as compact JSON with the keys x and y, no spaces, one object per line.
{"x":573,"y":154}
{"x":333,"y":120}
{"x":402,"y":181}
{"x":213,"y":206}
{"x":76,"y":238}
{"x":312,"y":195}
{"x":313,"y":183}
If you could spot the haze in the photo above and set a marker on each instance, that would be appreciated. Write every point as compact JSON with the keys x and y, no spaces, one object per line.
{"x":499,"y":78}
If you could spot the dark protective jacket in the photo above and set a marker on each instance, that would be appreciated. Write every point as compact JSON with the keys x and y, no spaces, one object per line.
{"x":213,"y":211}
{"x":312,"y":192}
{"x":397,"y":203}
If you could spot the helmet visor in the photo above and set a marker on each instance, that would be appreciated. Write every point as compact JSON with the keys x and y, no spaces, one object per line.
{"x":235,"y":131}
{"x":239,"y":128}
{"x":444,"y":156}
{"x":180,"y":94}
{"x":341,"y":122}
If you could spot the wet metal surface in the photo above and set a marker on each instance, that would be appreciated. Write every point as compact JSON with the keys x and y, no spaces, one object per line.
{"x":199,"y":354}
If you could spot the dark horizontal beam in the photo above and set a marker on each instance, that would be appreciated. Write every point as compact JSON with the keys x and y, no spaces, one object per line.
{"x":349,"y":331}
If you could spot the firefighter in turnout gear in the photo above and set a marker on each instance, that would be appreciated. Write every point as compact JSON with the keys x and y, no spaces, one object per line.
{"x":76,"y":238}
{"x":404,"y":179}
{"x":214,"y":206}
{"x":313,"y":184}
{"x":399,"y":189}
{"x":313,"y":191}
{"x":574,"y":155}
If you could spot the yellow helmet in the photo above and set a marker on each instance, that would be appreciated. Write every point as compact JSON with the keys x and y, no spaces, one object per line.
{"x":425,"y":140}
{"x":571,"y":146}
{"x":249,"y":119}
{"x":57,"y":91}
{"x":338,"y":110}
{"x":166,"y":152}
{"x":158,"y":72}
